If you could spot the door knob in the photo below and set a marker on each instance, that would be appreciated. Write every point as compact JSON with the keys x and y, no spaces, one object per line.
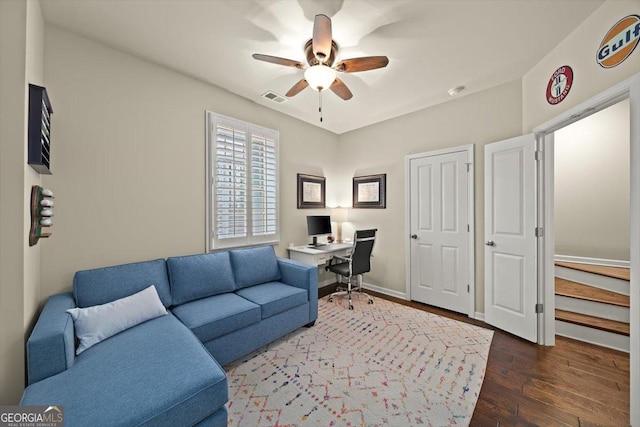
{"x":490,"y":243}
{"x":414,"y":236}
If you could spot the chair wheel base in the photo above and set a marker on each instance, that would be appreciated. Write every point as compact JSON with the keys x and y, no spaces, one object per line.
{"x":350,"y":307}
{"x":330,"y":300}
{"x":370,"y":301}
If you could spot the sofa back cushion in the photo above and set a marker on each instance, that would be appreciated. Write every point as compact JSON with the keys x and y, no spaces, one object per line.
{"x":253,"y":266}
{"x":199,"y":276}
{"x":103,"y":285}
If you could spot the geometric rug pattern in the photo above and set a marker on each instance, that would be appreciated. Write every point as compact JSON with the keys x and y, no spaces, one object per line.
{"x":381,"y":364}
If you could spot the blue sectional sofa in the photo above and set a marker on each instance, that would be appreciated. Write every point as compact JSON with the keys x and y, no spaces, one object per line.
{"x":167,"y":371}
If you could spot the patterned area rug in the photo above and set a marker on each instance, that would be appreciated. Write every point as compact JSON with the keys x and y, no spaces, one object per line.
{"x":381,"y":364}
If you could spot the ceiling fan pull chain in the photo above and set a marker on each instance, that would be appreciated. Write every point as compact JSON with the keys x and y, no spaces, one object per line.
{"x":320,"y":104}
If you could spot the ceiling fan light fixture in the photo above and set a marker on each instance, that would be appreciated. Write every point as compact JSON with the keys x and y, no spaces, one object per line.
{"x":320,"y":77}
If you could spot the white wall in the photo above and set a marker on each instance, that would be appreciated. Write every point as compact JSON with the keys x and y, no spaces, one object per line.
{"x":21,"y":62}
{"x":592,"y":185}
{"x":128,"y":158}
{"x":480,"y":118}
{"x":35,"y":75}
{"x":578,"y":51}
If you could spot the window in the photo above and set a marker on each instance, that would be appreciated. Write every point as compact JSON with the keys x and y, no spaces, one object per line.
{"x":242,"y":175}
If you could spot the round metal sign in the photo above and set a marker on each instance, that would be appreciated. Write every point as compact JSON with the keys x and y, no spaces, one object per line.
{"x":559,"y":85}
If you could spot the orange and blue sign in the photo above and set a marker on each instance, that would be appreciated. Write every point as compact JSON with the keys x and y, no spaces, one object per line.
{"x":559,"y":85}
{"x":619,"y":42}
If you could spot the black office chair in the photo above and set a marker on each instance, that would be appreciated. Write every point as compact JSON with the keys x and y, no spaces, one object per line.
{"x":355,"y":265}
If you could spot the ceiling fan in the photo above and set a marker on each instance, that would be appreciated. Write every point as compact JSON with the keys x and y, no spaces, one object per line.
{"x":321,"y":52}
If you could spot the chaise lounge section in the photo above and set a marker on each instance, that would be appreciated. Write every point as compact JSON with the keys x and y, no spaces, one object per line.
{"x":167,"y":371}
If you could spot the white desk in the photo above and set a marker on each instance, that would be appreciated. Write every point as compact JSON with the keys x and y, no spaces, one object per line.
{"x":319,"y":255}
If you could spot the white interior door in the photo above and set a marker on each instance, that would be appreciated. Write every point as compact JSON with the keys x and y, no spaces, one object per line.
{"x":439,"y":226}
{"x":510,"y":238}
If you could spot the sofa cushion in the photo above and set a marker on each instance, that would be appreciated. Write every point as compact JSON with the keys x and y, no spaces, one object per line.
{"x":99,"y":322}
{"x":253,"y":266}
{"x":211,"y":317}
{"x":155,"y":374}
{"x":199,"y":276}
{"x":274,"y":297}
{"x":103,"y":285}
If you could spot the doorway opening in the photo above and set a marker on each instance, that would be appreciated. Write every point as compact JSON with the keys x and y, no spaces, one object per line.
{"x":627,"y":89}
{"x":519,"y":187}
{"x":591,"y":223}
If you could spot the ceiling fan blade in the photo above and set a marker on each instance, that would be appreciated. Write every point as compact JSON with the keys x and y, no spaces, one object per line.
{"x":362,"y":64}
{"x":297,"y":88}
{"x":278,"y":60}
{"x":339,"y":88}
{"x":322,"y":37}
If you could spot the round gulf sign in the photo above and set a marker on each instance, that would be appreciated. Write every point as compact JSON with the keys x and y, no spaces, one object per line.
{"x":559,"y":85}
{"x":619,"y":42}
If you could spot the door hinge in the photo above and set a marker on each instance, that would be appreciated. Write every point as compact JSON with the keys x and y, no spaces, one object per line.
{"x":468,"y":288}
{"x":539,"y":308}
{"x":468,"y":228}
{"x":539,"y":155}
{"x":539,"y":231}
{"x":468,"y":166}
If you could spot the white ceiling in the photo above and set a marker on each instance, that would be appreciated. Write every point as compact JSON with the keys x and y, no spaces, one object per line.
{"x":432,"y":45}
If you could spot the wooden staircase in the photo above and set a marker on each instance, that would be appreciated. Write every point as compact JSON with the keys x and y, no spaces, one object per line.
{"x":592,"y":304}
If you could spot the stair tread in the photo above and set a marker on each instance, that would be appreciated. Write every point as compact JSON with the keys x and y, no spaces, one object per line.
{"x":571,"y":289}
{"x":621,"y":273}
{"x":593,"y":322}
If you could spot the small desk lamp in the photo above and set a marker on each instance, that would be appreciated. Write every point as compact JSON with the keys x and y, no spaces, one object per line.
{"x":339,"y":215}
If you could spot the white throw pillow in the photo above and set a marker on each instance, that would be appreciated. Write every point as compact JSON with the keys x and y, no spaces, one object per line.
{"x":97,"y":323}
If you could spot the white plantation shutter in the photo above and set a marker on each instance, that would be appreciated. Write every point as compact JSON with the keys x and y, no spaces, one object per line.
{"x":230,"y":183}
{"x":243,"y":205}
{"x":264,"y":186}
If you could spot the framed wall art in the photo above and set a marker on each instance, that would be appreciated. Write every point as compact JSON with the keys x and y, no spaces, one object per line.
{"x":370,"y":191}
{"x":311,"y":191}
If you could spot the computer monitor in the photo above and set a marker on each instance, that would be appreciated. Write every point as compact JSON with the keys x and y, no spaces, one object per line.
{"x":318,"y":225}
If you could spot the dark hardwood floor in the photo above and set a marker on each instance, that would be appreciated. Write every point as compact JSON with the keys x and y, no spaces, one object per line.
{"x":570,"y":384}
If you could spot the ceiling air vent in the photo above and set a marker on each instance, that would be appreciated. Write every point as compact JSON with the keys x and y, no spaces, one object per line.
{"x":272,"y":96}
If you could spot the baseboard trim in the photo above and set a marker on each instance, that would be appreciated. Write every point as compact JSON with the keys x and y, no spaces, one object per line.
{"x":369,"y":286}
{"x":397,"y":294}
{"x":595,"y":261}
{"x":385,"y":291}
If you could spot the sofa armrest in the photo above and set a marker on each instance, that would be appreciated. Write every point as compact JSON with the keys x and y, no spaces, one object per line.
{"x":303,"y":276}
{"x":51,"y":346}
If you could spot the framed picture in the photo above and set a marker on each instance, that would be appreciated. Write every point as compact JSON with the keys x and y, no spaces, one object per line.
{"x":370,"y":191}
{"x":311,"y":191}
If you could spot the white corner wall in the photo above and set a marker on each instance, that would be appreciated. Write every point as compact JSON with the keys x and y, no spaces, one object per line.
{"x":34,"y":74}
{"x":21,"y":41}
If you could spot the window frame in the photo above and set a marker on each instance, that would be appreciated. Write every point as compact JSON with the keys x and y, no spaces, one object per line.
{"x":212,"y":242}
